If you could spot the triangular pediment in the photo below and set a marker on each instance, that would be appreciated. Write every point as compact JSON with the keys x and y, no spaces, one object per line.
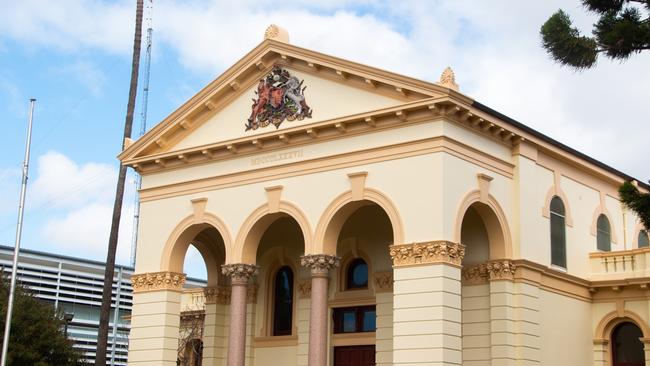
{"x":332,"y":88}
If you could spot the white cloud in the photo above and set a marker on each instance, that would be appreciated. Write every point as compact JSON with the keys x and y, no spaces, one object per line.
{"x":70,"y":25}
{"x":91,"y":77}
{"x":83,"y":232}
{"x":61,"y":182}
{"x":194,"y":265}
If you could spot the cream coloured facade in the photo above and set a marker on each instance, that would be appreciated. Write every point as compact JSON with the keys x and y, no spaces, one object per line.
{"x":479,"y":237}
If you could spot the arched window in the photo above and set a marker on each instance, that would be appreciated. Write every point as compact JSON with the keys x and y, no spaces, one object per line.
{"x":603,"y":234}
{"x":357,"y":274}
{"x":558,"y":233}
{"x":627,"y":348}
{"x":643,"y":239}
{"x":283,"y":302}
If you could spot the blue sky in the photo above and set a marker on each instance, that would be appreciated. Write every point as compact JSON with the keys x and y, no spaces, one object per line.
{"x":74,"y":57}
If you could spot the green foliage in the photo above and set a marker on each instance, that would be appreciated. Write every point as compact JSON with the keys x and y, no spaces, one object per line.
{"x":636,"y":201}
{"x":620,"y":32}
{"x":37,"y":336}
{"x":565,"y":44}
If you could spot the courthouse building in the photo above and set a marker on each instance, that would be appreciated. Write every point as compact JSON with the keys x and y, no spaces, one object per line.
{"x":352,"y":216}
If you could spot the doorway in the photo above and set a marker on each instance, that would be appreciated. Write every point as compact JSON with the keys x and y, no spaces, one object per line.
{"x":354,"y":356}
{"x":627,"y":348}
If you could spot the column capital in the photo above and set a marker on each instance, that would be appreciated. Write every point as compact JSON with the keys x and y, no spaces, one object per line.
{"x":503,"y":269}
{"x":320,"y":264}
{"x":440,"y":251}
{"x":156,"y":281}
{"x":239,"y":273}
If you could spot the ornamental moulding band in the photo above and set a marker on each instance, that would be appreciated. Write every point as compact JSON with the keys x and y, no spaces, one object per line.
{"x":383,"y":282}
{"x":489,"y":271}
{"x":156,"y":281}
{"x":239,"y":272}
{"x":320,"y":263}
{"x":426,"y":253}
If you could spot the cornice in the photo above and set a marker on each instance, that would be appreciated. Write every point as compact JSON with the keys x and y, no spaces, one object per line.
{"x":368,"y":122}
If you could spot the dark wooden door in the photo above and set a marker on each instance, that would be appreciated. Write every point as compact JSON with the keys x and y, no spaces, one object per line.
{"x":354,"y":356}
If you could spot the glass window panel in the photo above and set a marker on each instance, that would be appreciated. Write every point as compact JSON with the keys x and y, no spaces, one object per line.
{"x":349,"y":321}
{"x":369,"y":320}
{"x":558,"y":241}
{"x":283,"y":302}
{"x":557,"y":206}
{"x":603,"y":235}
{"x":643,"y":239}
{"x":357,"y":274}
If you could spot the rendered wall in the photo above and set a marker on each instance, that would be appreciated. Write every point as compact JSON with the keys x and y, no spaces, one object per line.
{"x":566,"y":336}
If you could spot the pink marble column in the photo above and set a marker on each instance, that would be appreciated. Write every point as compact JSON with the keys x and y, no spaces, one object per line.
{"x":239,"y":275}
{"x":320,"y":265}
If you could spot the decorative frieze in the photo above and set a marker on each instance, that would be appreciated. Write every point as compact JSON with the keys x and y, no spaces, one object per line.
{"x":489,"y":271}
{"x":320,"y":263}
{"x":383,"y":281}
{"x":217,"y":295}
{"x":156,"y":281}
{"x":426,"y":253}
{"x":239,"y":273}
{"x":304,"y":288}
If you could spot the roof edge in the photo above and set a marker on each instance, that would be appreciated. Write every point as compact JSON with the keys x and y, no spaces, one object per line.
{"x":484,"y":108}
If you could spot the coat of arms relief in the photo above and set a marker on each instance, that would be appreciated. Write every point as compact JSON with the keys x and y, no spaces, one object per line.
{"x":280,"y":97}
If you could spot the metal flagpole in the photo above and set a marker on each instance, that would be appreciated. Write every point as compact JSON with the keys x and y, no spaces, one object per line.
{"x":19,"y":230}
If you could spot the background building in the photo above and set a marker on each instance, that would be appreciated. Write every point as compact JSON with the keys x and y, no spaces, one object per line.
{"x":75,"y":285}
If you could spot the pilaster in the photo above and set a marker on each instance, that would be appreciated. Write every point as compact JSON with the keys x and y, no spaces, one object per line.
{"x":155,"y":318}
{"x":427,"y":303}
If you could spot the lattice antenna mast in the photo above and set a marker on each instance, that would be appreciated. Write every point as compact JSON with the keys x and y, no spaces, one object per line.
{"x":143,"y":125}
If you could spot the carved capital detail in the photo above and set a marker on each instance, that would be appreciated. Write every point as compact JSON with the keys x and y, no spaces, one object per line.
{"x":304,"y":288}
{"x":474,"y":274}
{"x":239,"y":273}
{"x":320,"y":263}
{"x":501,"y":270}
{"x":424,"y":253}
{"x":489,"y":271}
{"x":155,"y":281}
{"x":383,"y":281}
{"x":217,"y":295}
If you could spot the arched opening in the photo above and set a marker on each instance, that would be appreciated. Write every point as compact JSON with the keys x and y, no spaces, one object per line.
{"x":484,"y":240}
{"x":627,"y":348}
{"x":280,"y":245}
{"x":603,"y":234}
{"x":362,"y":233}
{"x":198,"y":250}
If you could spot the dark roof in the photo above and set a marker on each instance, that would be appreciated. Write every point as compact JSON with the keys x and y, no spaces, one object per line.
{"x":541,"y":136}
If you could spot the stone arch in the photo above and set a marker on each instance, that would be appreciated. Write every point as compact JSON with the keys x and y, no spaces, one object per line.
{"x":611,"y":320}
{"x":494,"y":220}
{"x":546,"y":210}
{"x":251,"y":231}
{"x":192,"y":230}
{"x":335,"y":215}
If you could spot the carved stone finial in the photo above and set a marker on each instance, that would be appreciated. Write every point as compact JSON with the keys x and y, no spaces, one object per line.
{"x":276,"y":33}
{"x":320,"y":263}
{"x":238,"y":272}
{"x":448,"y":79}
